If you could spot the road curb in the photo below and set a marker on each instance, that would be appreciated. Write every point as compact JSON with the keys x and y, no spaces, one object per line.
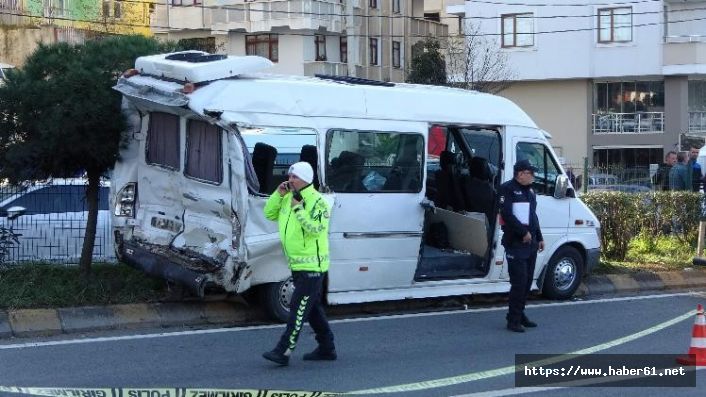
{"x":47,"y":322}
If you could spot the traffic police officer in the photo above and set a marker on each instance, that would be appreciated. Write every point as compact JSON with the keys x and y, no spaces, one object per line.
{"x":522,"y":238}
{"x":303,"y":218}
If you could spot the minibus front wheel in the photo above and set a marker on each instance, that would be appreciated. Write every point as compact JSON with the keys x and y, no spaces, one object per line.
{"x":563,"y":274}
{"x":276,"y":297}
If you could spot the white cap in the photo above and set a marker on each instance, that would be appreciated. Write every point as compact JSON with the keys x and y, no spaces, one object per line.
{"x":303,"y":171}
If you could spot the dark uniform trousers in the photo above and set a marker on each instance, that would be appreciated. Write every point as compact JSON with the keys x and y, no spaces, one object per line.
{"x":521,"y":263}
{"x":306,"y":304}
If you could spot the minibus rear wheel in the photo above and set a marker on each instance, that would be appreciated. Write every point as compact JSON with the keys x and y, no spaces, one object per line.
{"x":275,"y":298}
{"x":563,"y":274}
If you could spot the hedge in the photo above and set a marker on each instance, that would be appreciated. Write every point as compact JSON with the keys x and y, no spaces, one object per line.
{"x":624,"y":216}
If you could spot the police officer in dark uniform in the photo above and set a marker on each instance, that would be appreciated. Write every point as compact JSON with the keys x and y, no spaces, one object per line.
{"x":521,"y":239}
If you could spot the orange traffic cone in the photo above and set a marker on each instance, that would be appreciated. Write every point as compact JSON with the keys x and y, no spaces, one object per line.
{"x":697,"y":351}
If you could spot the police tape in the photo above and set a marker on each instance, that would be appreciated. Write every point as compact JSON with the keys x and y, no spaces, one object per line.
{"x":171,"y":392}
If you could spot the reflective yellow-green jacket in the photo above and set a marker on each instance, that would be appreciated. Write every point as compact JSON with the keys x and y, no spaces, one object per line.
{"x":303,"y":229}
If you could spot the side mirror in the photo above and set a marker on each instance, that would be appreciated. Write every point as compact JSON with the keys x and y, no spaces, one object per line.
{"x":15,"y":212}
{"x":562,"y":185}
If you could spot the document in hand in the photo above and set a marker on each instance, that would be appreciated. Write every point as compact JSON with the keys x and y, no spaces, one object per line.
{"x":521,"y":212}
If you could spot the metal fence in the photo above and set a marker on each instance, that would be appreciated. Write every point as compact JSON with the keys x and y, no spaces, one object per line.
{"x":49,"y":222}
{"x":630,"y":179}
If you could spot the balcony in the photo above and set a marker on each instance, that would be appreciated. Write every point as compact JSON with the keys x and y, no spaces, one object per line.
{"x":9,"y":10}
{"x":328,"y":68}
{"x":422,"y":28}
{"x":166,"y":17}
{"x":684,"y":54}
{"x":628,"y":123}
{"x":264,"y":16}
{"x":697,"y":122}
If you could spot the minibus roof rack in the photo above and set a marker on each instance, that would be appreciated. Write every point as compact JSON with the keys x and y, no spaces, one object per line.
{"x":355,"y":80}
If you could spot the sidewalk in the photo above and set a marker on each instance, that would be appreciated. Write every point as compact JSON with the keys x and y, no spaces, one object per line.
{"x":46,"y":322}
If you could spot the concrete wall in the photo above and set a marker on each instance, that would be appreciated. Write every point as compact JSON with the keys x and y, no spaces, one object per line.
{"x":552,"y":58}
{"x":18,"y":42}
{"x":562,"y":108}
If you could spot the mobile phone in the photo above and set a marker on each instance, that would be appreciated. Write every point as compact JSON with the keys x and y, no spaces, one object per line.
{"x":286,"y":186}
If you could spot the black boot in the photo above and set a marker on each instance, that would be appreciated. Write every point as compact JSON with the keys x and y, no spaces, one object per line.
{"x":276,"y":357}
{"x":527,"y":323}
{"x":515,"y":327}
{"x":320,"y":354}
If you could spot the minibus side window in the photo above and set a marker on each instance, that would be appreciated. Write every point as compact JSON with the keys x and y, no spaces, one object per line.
{"x":204,"y":151}
{"x":540,"y":157}
{"x":163,"y":140}
{"x":371,"y":161}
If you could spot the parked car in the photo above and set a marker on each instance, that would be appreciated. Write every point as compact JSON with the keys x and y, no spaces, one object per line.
{"x":601,"y":179}
{"x":625,"y":188}
{"x":4,"y":68}
{"x":50,"y":221}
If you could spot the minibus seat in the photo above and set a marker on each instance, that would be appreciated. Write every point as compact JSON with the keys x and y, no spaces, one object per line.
{"x":308,"y":154}
{"x":345,"y":173}
{"x":404,"y":176}
{"x":478,"y":191}
{"x":448,"y":192}
{"x":263,"y":161}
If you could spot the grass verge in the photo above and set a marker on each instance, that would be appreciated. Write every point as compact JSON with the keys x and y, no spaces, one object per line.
{"x":44,"y":285}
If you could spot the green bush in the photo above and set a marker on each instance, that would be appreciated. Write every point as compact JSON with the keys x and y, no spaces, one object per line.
{"x":669,"y":250}
{"x":624,"y":216}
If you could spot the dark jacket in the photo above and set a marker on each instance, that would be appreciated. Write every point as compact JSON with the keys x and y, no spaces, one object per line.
{"x":679,"y":177}
{"x":661,"y":178}
{"x":695,"y":175}
{"x":511,"y":192}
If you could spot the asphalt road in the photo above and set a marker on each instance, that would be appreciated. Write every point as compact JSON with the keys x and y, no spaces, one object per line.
{"x":433,"y":354}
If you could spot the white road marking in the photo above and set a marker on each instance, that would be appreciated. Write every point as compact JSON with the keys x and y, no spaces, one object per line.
{"x":493,"y":373}
{"x":350,"y":320}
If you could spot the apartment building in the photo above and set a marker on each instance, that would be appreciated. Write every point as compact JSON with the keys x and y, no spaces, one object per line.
{"x":621,"y":84}
{"x":360,"y":38}
{"x":26,"y":23}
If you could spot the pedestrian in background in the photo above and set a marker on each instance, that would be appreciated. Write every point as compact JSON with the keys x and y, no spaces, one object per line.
{"x":522,"y":239}
{"x":303,"y":218}
{"x":695,"y":168}
{"x":679,"y":175}
{"x":660,"y":181}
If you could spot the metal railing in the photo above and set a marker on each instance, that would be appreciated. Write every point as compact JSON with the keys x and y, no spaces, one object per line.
{"x":697,"y":122}
{"x":49,"y":220}
{"x":328,"y":68}
{"x":328,"y":12}
{"x":631,"y":123}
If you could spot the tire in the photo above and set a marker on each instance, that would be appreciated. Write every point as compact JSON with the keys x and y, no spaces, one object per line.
{"x":563,"y":274}
{"x":275,"y":299}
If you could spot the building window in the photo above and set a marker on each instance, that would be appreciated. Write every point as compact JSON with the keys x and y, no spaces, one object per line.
{"x":344,"y":49}
{"x":374,"y":52}
{"x":320,"y":42}
{"x":396,"y":6}
{"x":615,"y":25}
{"x":163,"y":140}
{"x":186,"y":2}
{"x":373,"y":3}
{"x":117,"y":9}
{"x":396,"y":54}
{"x":264,"y":45}
{"x":517,"y":30}
{"x":204,"y":153}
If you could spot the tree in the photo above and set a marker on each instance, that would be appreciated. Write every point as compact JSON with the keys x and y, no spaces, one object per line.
{"x":60,"y":117}
{"x":476,"y":62}
{"x":428,"y":65}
